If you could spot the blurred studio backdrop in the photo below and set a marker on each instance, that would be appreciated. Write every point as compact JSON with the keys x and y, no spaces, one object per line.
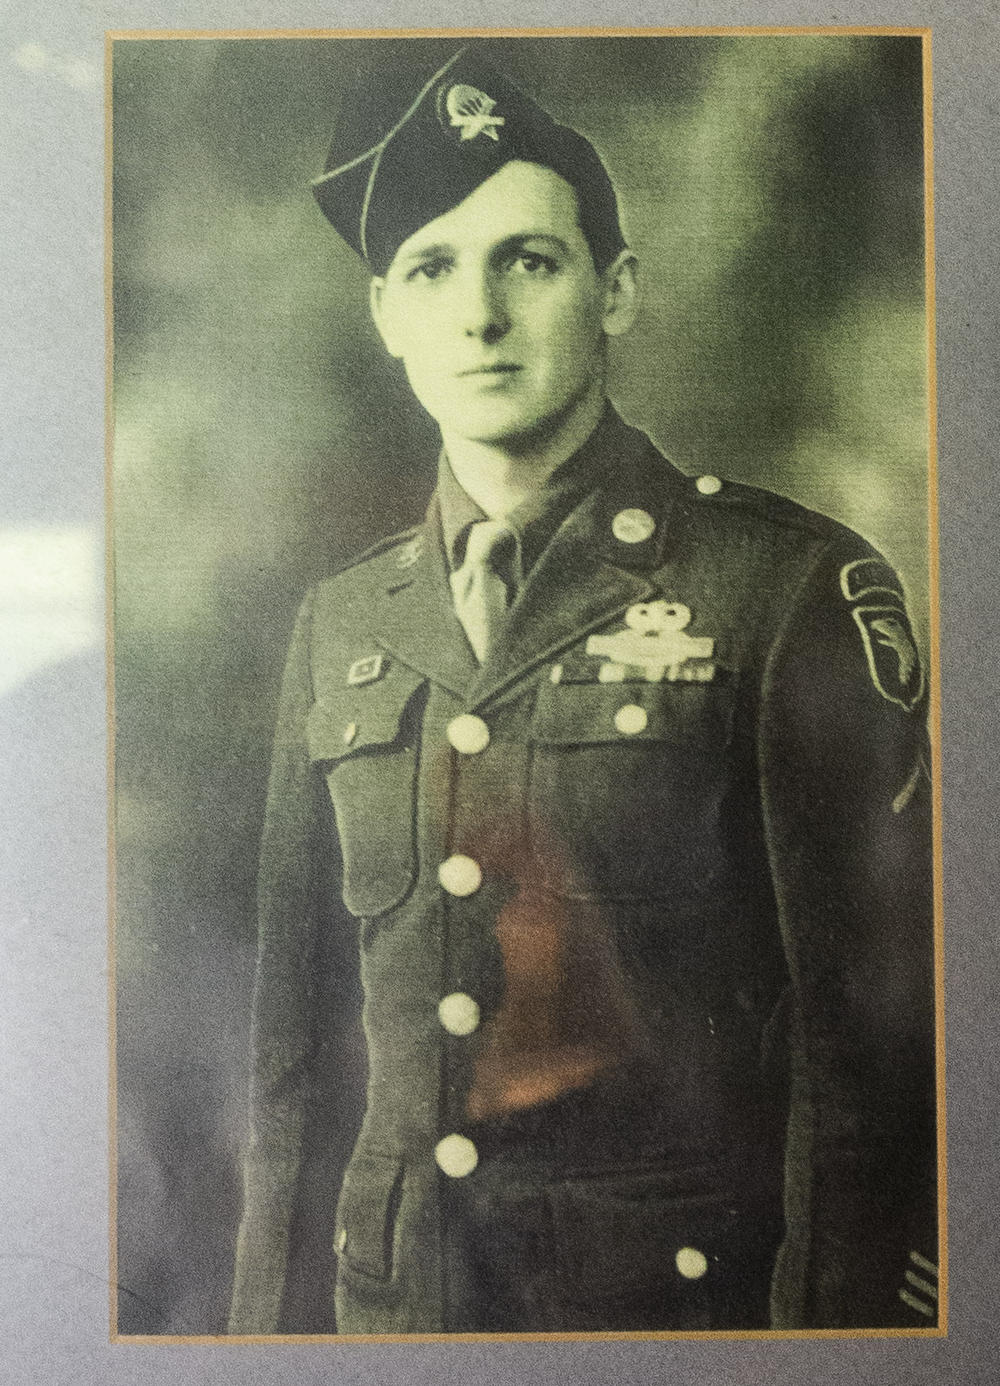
{"x":772,"y":187}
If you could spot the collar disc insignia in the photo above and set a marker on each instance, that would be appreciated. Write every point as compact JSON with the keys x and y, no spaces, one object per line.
{"x":410,"y":552}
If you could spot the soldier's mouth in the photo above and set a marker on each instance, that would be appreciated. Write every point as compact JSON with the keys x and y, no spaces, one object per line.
{"x":495,"y":368}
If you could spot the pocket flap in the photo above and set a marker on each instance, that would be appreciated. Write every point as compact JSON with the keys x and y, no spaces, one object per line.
{"x":574,"y":714}
{"x":620,"y":1233}
{"x":344,"y":721}
{"x":366,"y":1214}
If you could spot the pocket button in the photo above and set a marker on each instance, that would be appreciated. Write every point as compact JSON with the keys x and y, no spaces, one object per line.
{"x":460,"y":875}
{"x":468,"y":734}
{"x":456,"y":1156}
{"x":631,"y":719}
{"x":691,"y":1263}
{"x":458,"y":1013}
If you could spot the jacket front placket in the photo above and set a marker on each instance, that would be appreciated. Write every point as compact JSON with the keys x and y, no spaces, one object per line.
{"x":475,"y":858}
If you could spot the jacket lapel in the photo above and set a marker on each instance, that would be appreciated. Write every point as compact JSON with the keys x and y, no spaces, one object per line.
{"x":566,"y":594}
{"x":587,"y":574}
{"x":416,"y":620}
{"x":592,"y":570}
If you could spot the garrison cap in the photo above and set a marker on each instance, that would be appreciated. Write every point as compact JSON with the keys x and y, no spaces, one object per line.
{"x":411,"y":144}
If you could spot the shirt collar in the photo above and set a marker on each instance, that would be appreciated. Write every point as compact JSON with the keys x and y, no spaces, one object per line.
{"x":539,"y":515}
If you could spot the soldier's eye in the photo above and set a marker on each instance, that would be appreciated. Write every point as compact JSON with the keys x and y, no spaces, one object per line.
{"x":429,"y":270}
{"x":531,"y":262}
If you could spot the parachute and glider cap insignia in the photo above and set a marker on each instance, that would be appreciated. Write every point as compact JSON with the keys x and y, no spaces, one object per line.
{"x":471,"y":112}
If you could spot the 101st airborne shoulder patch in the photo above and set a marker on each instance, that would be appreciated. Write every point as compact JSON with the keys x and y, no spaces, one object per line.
{"x":891,"y":652}
{"x":886,"y":634}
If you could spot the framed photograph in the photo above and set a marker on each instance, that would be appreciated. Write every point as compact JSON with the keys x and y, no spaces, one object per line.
{"x":556,"y":409}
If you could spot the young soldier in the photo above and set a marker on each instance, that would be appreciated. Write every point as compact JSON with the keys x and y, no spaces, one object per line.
{"x":630,"y":811}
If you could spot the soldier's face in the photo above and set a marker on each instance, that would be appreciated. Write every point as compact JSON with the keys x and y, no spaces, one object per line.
{"x":498,"y":313}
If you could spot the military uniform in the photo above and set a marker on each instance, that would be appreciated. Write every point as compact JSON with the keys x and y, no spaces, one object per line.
{"x":643,"y":911}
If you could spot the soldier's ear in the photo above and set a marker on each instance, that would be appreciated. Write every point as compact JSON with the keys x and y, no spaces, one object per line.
{"x":620,"y":293}
{"x":382,"y":317}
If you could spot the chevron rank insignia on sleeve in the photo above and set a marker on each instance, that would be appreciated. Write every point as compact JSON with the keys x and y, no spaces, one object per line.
{"x":920,"y":1291}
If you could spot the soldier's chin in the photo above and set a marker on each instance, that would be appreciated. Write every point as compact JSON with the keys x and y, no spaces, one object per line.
{"x":490,"y":421}
{"x":515,"y":429}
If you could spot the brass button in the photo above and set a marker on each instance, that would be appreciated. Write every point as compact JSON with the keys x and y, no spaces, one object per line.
{"x":708,"y":485}
{"x":468,"y":734}
{"x":460,"y":875}
{"x":456,"y":1156}
{"x":631,"y":719}
{"x":633,"y":526}
{"x":458,"y":1013}
{"x":691,"y":1262}
{"x":350,"y":732}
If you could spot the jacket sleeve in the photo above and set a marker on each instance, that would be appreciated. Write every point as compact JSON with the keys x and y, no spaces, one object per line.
{"x":296,"y":836}
{"x":847,"y":802}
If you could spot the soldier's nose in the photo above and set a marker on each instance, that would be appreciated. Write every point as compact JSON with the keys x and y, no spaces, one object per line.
{"x":484,"y":308}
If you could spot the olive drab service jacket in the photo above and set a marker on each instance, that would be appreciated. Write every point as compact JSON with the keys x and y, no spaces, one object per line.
{"x":679,"y":912}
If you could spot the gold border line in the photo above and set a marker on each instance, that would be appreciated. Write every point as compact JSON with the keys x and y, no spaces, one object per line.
{"x":934,"y":579}
{"x":593,"y":31}
{"x":109,"y":578}
{"x":933,"y":572}
{"x":758,"y":1335}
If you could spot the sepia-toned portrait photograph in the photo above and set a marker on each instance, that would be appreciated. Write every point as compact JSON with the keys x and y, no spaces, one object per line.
{"x":526,"y":885}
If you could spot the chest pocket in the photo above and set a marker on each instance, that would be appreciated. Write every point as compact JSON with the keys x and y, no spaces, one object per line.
{"x":628,"y":787}
{"x":366,"y":740}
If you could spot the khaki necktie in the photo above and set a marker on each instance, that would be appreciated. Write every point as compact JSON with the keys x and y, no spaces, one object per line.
{"x":480,"y":590}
